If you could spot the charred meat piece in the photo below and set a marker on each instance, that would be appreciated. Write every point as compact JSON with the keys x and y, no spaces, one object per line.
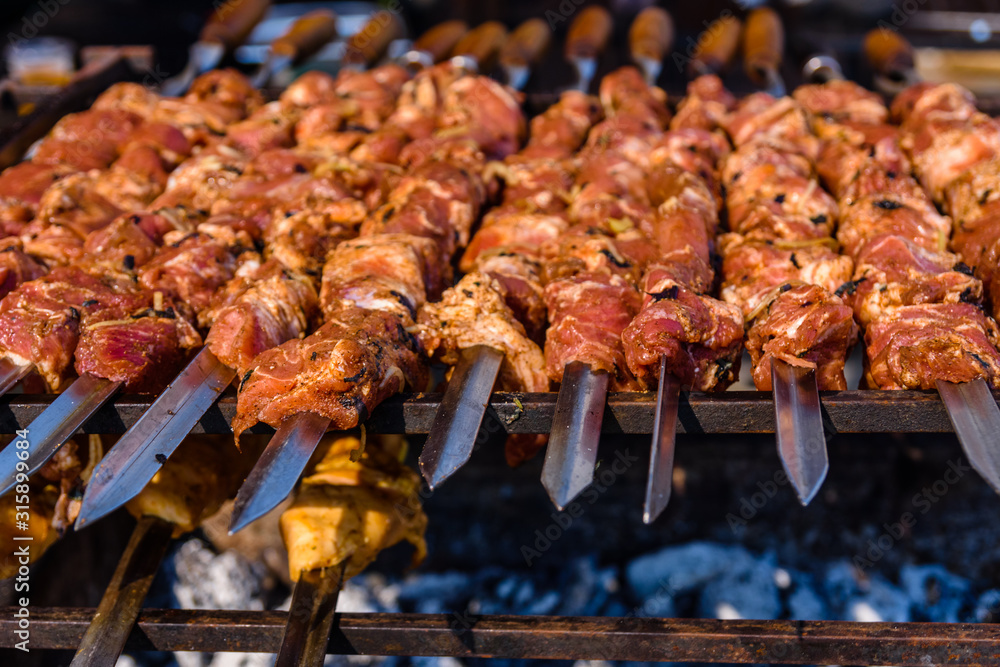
{"x":892,"y":271}
{"x":474,"y":312}
{"x":342,"y":371}
{"x":914,"y":346}
{"x":803,"y":326}
{"x":701,"y":337}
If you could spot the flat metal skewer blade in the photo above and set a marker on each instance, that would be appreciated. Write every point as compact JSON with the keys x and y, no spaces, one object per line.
{"x":11,"y":374}
{"x":456,"y":424}
{"x":202,"y":57}
{"x":799,"y":428}
{"x":278,"y":468}
{"x":651,"y":69}
{"x":571,"y":454}
{"x":974,"y":414}
{"x":47,"y":433}
{"x":661,"y":456}
{"x":310,"y":617}
{"x":142,"y":451}
{"x":116,"y":615}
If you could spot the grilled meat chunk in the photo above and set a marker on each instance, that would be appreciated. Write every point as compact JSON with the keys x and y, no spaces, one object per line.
{"x":474,"y":312}
{"x":913,"y":218}
{"x":342,"y":371}
{"x":806,"y":326}
{"x":914,"y":346}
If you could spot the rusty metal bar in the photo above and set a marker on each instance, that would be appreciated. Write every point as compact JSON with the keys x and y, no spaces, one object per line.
{"x":729,"y":412}
{"x":541,"y":637}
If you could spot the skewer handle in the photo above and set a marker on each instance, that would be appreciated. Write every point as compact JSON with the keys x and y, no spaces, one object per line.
{"x":365,"y":47}
{"x":233,"y":21}
{"x":482,"y":44}
{"x":105,"y":638}
{"x":527,"y":44}
{"x":651,"y":35}
{"x":306,"y":36}
{"x":763,"y":43}
{"x":718,"y":46}
{"x":441,"y":40}
{"x":889,"y":54}
{"x":589,"y":33}
{"x":310,"y":617}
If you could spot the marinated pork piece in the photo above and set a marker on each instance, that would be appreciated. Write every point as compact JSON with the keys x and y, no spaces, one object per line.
{"x":436,"y":201}
{"x":701,"y":337}
{"x":520,"y":277}
{"x":42,"y":320}
{"x":839,"y":101}
{"x":136,"y":235}
{"x":804,"y":326}
{"x":474,"y":312}
{"x":975,"y":193}
{"x":16,"y":268}
{"x":536,"y":187}
{"x":781,"y":123}
{"x":789,"y":195}
{"x":913,"y":218}
{"x":943,"y":150}
{"x":624,"y":92}
{"x":763,"y":224}
{"x":978,"y":243}
{"x":22,"y":187}
{"x":594,"y":250}
{"x":274,"y":306}
{"x":202,"y":180}
{"x":144,"y":350}
{"x":271,"y":126}
{"x":74,"y":202}
{"x":892,"y":271}
{"x":134,"y":180}
{"x":705,"y":106}
{"x":342,"y":371}
{"x":925,"y":102}
{"x":751,"y":269}
{"x":562,"y":128}
{"x":862,"y":160}
{"x":395,"y":273}
{"x":696,"y":153}
{"x":522,"y":233}
{"x":914,"y":346}
{"x":587,"y":314}
{"x":358,"y":500}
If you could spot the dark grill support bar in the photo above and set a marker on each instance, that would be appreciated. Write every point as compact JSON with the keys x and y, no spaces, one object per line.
{"x":541,"y":637}
{"x":729,"y":412}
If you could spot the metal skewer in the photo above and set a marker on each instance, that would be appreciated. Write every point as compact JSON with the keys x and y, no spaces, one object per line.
{"x":798,"y":424}
{"x":230,"y":25}
{"x":650,"y":37}
{"x":524,"y":47}
{"x":571,"y":454}
{"x":587,"y":37}
{"x":435,"y":44}
{"x":274,"y":476}
{"x":763,"y":43}
{"x":142,"y":451}
{"x":11,"y":374}
{"x":659,"y":480}
{"x":310,"y":617}
{"x":46,"y":434}
{"x":301,"y":41}
{"x":453,"y":434}
{"x":976,"y":419}
{"x":116,"y":615}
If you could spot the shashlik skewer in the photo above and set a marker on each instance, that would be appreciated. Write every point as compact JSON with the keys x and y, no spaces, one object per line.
{"x":951,"y":146}
{"x":798,"y":416}
{"x":303,"y":39}
{"x":229,"y":26}
{"x":436,"y":205}
{"x":473,"y":326}
{"x":650,"y":37}
{"x":763,"y":44}
{"x":586,"y":40}
{"x":131,"y":463}
{"x":524,"y":48}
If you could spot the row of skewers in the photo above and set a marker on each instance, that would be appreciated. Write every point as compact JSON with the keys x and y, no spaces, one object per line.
{"x":607,"y":222}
